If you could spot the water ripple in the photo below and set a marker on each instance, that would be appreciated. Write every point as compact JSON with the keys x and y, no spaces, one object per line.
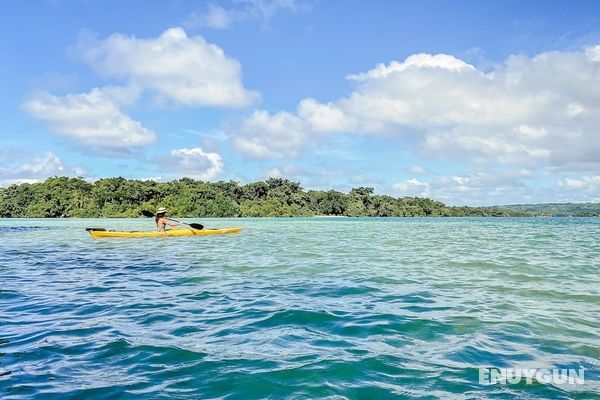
{"x":299,"y":308}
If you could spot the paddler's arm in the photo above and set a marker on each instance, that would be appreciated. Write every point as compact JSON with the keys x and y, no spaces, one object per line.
{"x":171,"y":223}
{"x":160,"y":224}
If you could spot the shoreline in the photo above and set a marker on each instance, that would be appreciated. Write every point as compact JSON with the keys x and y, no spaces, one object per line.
{"x":321,"y":216}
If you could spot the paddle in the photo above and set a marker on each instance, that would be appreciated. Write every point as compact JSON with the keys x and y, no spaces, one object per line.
{"x":193,"y":225}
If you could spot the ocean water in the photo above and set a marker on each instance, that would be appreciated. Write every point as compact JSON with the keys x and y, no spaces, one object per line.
{"x":299,"y":309}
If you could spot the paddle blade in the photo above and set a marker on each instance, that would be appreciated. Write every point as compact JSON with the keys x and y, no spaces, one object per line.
{"x":147,"y":213}
{"x":95,"y":229}
{"x":197,"y":226}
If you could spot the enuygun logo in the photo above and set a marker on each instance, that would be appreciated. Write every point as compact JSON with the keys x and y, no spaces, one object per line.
{"x":513,"y":376}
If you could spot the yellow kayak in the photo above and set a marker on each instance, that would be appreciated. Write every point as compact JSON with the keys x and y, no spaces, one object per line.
{"x":100,"y":233}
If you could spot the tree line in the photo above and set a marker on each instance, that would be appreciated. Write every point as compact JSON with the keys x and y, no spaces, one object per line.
{"x":274,"y":197}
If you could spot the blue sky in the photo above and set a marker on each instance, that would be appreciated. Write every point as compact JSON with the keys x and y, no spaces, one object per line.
{"x":464,"y":102}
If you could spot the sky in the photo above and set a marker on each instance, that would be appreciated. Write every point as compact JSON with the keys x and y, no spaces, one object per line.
{"x":465,"y":102}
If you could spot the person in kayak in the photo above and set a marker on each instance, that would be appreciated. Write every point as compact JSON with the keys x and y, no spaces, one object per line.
{"x":162,"y":222}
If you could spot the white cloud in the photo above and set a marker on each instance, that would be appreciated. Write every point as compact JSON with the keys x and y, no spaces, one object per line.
{"x":217,"y":17}
{"x":442,"y":61}
{"x":479,"y":188}
{"x":417,"y":169}
{"x":324,"y":117}
{"x":594,"y":53}
{"x":268,"y":136}
{"x":529,"y":111}
{"x":194,"y":163}
{"x":186,"y":70}
{"x":586,"y":182}
{"x":92,"y":118}
{"x":273,"y":173}
{"x":412,"y":187}
{"x":38,"y":169}
{"x":151,"y":178}
{"x":288,"y":171}
{"x":574,"y":109}
{"x":263,"y":135}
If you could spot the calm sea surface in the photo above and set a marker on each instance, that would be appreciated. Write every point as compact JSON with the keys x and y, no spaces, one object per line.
{"x":299,"y":309}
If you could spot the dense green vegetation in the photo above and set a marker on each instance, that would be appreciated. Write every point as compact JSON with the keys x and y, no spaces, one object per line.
{"x":556,"y":209}
{"x":120,"y":197}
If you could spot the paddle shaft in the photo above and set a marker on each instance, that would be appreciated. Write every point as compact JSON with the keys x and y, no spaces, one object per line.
{"x":193,"y":225}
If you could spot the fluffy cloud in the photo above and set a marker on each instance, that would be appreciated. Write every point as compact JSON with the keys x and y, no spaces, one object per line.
{"x":417,"y":169}
{"x":186,"y":70}
{"x":585,"y":182}
{"x":325,"y":117}
{"x":516,"y":108}
{"x":288,"y":171}
{"x":193,"y":163}
{"x":476,"y":188}
{"x":263,"y":135}
{"x":443,"y":61}
{"x":529,"y":111}
{"x":269,"y":136}
{"x":412,"y":187}
{"x":217,"y":17}
{"x":39,"y":168}
{"x":92,"y":118}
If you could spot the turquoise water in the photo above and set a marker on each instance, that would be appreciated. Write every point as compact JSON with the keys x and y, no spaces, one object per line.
{"x":299,"y":309}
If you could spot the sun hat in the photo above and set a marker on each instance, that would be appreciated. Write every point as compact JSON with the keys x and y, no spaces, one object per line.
{"x":161,"y":210}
